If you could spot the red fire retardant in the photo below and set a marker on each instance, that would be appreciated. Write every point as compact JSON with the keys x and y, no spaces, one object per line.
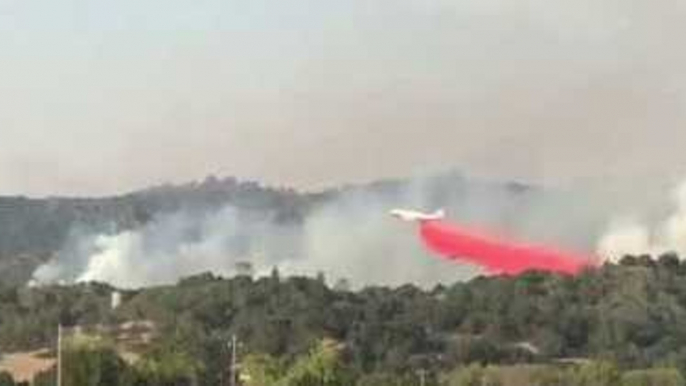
{"x":496,"y":255}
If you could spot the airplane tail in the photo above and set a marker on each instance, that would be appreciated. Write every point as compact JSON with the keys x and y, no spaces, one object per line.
{"x":439,"y":214}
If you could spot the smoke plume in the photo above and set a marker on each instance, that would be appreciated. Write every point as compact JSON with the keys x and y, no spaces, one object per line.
{"x":349,"y":235}
{"x":631,"y":235}
{"x":171,"y":246}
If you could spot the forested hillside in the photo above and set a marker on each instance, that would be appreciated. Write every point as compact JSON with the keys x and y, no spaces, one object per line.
{"x":632,"y":315}
{"x":33,"y":231}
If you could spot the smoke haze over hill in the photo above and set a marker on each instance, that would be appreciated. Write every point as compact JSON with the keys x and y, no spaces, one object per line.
{"x":345,"y":233}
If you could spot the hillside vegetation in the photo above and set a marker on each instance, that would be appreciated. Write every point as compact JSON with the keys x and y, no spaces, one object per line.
{"x":630,"y":316}
{"x":34,"y":231}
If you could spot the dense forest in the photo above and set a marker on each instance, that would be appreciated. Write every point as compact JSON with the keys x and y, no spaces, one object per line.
{"x":620,"y":322}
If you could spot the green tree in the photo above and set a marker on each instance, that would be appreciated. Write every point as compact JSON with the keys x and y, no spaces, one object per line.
{"x":386,"y":379}
{"x":6,"y":379}
{"x":549,"y":376}
{"x":260,"y":370}
{"x":321,"y":367}
{"x":45,"y":378}
{"x":596,"y":374}
{"x":653,"y":377}
{"x":167,"y":368}
{"x":475,"y":375}
{"x":91,"y":364}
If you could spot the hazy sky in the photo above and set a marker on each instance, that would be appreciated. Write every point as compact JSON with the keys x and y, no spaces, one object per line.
{"x":99,"y":97}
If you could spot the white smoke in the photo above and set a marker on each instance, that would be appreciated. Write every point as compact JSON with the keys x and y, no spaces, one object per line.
{"x":632,"y":236}
{"x":161,"y":252}
{"x":351,"y":237}
{"x":355,"y":238}
{"x":348,"y":236}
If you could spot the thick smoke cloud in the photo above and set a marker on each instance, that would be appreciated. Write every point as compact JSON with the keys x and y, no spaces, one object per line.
{"x":160,"y":252}
{"x":349,"y":236}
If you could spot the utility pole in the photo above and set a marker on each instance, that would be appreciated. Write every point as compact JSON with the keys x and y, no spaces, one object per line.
{"x":59,"y":354}
{"x":233,"y":344}
{"x":422,"y":377}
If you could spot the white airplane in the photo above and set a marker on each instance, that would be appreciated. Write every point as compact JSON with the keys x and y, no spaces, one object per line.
{"x":416,"y":216}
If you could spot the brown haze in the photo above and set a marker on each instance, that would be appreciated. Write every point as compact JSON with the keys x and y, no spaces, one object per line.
{"x":103,"y":98}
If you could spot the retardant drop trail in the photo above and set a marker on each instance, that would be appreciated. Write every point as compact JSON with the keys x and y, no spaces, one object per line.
{"x":496,"y":255}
